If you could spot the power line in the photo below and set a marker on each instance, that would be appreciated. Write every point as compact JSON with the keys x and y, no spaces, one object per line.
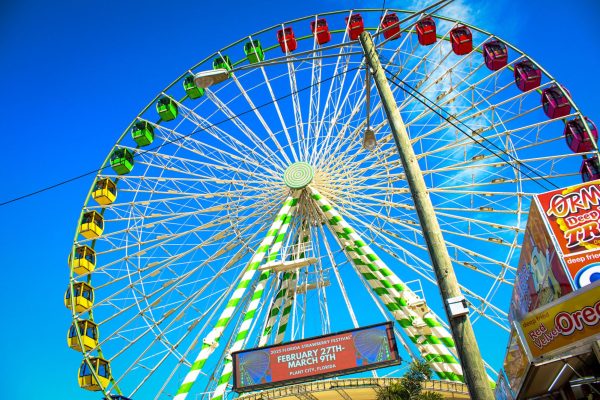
{"x":448,"y":119}
{"x":142,"y":152}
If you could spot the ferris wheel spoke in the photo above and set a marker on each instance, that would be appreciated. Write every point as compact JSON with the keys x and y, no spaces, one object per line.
{"x":386,"y":235}
{"x":169,"y":259}
{"x":214,"y":156}
{"x":269,"y":154}
{"x":275,"y":103}
{"x":257,"y":113}
{"x":193,"y":168}
{"x":223,"y":137}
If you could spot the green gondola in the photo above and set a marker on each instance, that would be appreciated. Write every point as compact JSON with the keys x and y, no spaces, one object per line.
{"x":121,"y":160}
{"x":143,"y":133}
{"x":254,"y":51}
{"x":166,"y":108}
{"x":222,"y":62}
{"x":193,"y":91}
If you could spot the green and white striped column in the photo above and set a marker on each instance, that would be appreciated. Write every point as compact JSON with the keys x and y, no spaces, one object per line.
{"x":287,"y":308}
{"x":275,"y":309}
{"x":250,"y":311}
{"x":212,"y":339}
{"x":395,"y":295}
{"x":283,"y":293}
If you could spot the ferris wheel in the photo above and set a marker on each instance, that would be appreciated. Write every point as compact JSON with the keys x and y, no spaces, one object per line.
{"x":272,"y":206}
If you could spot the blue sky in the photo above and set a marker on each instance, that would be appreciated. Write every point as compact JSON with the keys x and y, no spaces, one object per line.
{"x":74,"y":74}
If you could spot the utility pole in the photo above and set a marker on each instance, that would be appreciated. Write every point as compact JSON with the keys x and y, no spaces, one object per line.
{"x":462,"y":331}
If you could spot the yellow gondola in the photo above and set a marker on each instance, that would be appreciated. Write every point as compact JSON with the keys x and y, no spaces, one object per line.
{"x":87,"y":380}
{"x":105,"y":191}
{"x":83,"y":260}
{"x":92,"y":225}
{"x":83,"y":297}
{"x":89,"y":336}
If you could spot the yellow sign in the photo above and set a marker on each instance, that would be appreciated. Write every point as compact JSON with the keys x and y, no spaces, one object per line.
{"x":572,"y":319}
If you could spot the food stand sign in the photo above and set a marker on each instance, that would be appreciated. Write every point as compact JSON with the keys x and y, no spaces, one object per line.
{"x":568,"y":322}
{"x":573,"y":215}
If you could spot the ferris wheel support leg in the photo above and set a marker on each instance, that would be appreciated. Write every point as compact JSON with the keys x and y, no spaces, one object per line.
{"x":462,"y":331}
{"x":430,"y":338}
{"x":212,"y":339}
{"x":283,"y":294}
{"x":250,"y":311}
{"x":287,"y":309}
{"x":275,"y":309}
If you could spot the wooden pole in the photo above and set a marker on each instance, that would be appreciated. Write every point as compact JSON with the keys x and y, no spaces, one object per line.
{"x":462,"y":331}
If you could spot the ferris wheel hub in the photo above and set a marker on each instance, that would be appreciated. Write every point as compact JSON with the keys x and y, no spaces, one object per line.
{"x":298,"y":175}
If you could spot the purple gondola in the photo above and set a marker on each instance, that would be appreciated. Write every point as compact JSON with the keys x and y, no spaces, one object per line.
{"x":495,"y":54}
{"x":577,"y":137}
{"x":555,"y":103}
{"x":590,"y":170}
{"x":527,"y":75}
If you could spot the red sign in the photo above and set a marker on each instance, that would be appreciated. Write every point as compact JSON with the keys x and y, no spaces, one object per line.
{"x":573,"y":215}
{"x":336,"y":354}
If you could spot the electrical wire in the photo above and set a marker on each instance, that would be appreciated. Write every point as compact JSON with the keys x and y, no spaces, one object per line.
{"x":518,"y":163}
{"x":141,"y":152}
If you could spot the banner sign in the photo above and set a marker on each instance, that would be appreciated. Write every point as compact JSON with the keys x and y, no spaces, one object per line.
{"x":324,"y":356}
{"x":564,"y":323}
{"x":541,"y":276}
{"x":573,"y":215}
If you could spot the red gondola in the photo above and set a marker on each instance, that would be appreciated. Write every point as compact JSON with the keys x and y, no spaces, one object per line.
{"x":287,"y":40}
{"x":390,"y":25}
{"x":527,"y":75}
{"x":577,"y":137}
{"x":590,"y":169}
{"x":555,"y":103}
{"x":495,"y":54}
{"x":426,"y":31}
{"x":355,"y":26}
{"x":321,"y":31}
{"x":462,"y":40}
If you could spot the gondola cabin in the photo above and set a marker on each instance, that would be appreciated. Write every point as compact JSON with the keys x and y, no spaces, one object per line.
{"x":462,"y":40}
{"x":555,"y":102}
{"x":105,"y":191}
{"x":121,"y":161}
{"x":590,"y":169}
{"x":320,"y":30}
{"x":578,"y":138}
{"x":254,"y":51}
{"x":83,"y":258}
{"x":390,"y":26}
{"x":116,"y":397}
{"x":82,"y":299}
{"x":143,"y":133}
{"x":426,"y":31}
{"x":527,"y":75}
{"x":166,"y":108}
{"x":354,"y":26}
{"x":222,"y":62}
{"x":495,"y":54}
{"x":89,"y":336}
{"x":87,"y":380}
{"x":92,"y":225}
{"x":193,"y":92}
{"x":287,"y":40}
